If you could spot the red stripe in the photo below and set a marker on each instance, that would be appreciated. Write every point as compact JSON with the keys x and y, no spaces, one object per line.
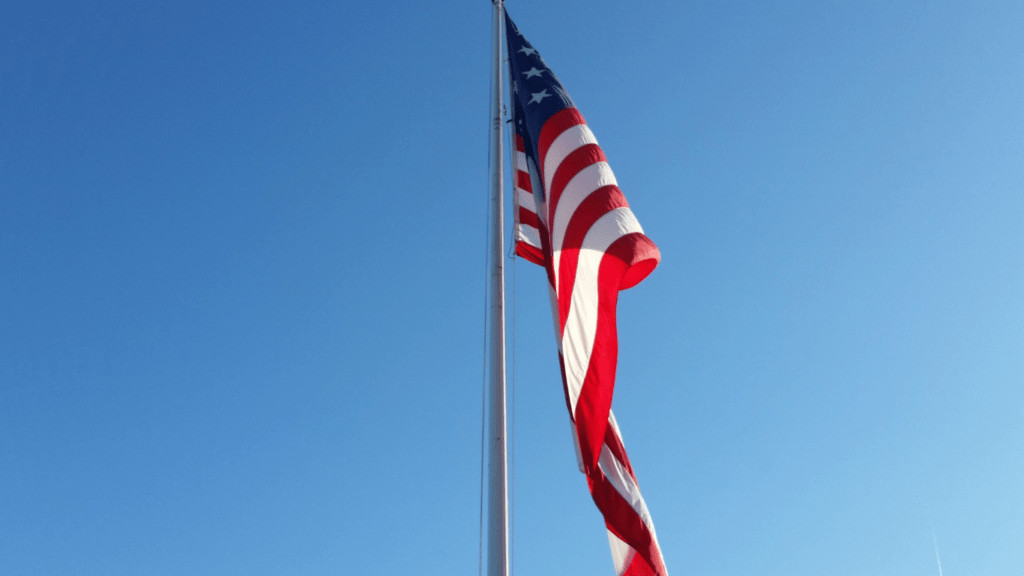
{"x":528,"y":218}
{"x":530,"y":252}
{"x":576,"y":161}
{"x":559,"y":122}
{"x":625,"y":523}
{"x":645,"y":256}
{"x":638,"y":567}
{"x":599,"y":203}
{"x":595,"y":397}
{"x":519,"y":143}
{"x":622,"y":256}
{"x":614,"y":444}
{"x":523,"y":181}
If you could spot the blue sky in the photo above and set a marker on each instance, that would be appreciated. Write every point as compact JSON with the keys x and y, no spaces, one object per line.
{"x":242,"y":278}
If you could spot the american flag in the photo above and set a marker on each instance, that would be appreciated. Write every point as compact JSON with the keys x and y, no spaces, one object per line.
{"x":571,"y":218}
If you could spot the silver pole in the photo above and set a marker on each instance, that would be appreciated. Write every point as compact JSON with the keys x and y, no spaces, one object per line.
{"x":497,"y":502}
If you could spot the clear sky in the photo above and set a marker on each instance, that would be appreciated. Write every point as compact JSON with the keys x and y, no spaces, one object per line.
{"x":242,"y":281}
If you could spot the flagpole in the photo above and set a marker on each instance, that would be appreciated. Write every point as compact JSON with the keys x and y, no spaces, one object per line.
{"x":497,"y":502}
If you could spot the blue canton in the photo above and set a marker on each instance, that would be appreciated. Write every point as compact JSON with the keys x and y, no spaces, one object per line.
{"x":536,"y":92}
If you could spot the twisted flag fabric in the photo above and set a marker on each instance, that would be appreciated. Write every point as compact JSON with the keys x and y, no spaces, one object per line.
{"x":571,"y":218}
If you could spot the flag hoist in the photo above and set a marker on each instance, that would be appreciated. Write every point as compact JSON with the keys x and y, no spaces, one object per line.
{"x":572,"y":219}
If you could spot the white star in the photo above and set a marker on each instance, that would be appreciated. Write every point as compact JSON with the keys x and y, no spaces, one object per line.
{"x":528,"y":51}
{"x":515,"y":87}
{"x":539,"y":96}
{"x":533,"y":72}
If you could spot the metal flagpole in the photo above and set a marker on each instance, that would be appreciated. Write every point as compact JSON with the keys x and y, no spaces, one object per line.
{"x":497,"y":502}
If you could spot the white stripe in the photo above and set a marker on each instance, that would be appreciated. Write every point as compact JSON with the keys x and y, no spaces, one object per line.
{"x":622,"y":553}
{"x":581,"y":322}
{"x":629,"y":486}
{"x":582,"y":185}
{"x":528,"y":234}
{"x":615,"y":426}
{"x":524,"y":198}
{"x":571,"y":139}
{"x":521,"y":161}
{"x":624,"y":485}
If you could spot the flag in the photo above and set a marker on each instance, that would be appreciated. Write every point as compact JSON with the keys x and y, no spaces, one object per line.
{"x":571,"y":218}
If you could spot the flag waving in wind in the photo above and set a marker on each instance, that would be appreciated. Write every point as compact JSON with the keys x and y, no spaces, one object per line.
{"x":572,"y":219}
